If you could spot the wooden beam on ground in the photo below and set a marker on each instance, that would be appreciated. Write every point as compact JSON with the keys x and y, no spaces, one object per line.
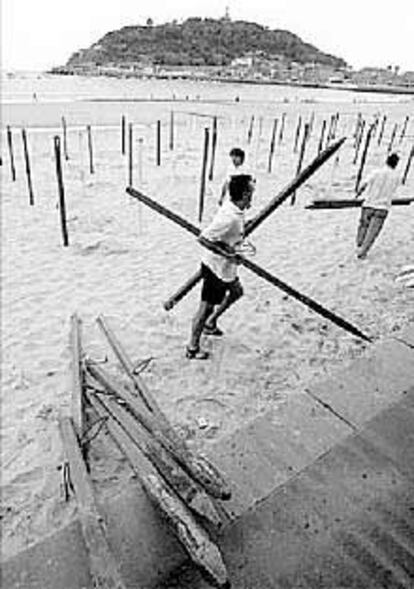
{"x":103,"y":565}
{"x":261,"y":216}
{"x":201,"y":549}
{"x":195,"y":464}
{"x":135,"y":440}
{"x":255,"y":268}
{"x":351,"y":203}
{"x":138,"y":383}
{"x":75,"y":344}
{"x":194,"y":538}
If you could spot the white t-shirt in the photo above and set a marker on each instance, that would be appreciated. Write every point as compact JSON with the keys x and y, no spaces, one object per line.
{"x":227,"y":226}
{"x":382,"y":185}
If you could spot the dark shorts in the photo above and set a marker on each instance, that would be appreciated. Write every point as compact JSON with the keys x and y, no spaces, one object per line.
{"x":213,"y":289}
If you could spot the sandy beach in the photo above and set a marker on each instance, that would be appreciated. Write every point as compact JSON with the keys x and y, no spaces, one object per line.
{"x":124,"y":261}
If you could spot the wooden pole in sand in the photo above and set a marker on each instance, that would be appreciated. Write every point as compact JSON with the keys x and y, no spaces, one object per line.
{"x":90,"y":149}
{"x":407,"y":167}
{"x":140,"y":160}
{"x":123,"y":135}
{"x":171,"y":145}
{"x":130,"y":154}
{"x":203,"y":174}
{"x":250,"y":132}
{"x":393,"y":134}
{"x":301,"y":156}
{"x":404,"y":128}
{"x":272,"y":146}
{"x":364,"y":156}
{"x":311,"y":123}
{"x":213,"y":149}
{"x":61,"y":190}
{"x":322,"y":136}
{"x":297,"y":134}
{"x":27,"y":163}
{"x":11,"y":154}
{"x":330,"y":135}
{"x":158,"y":143}
{"x":381,"y":133}
{"x":357,"y":127}
{"x":282,"y":127}
{"x":359,"y":140}
{"x":335,"y":126}
{"x":65,"y":139}
{"x":252,"y":225}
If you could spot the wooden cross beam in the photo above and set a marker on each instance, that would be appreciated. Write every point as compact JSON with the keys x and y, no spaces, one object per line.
{"x":348,"y":203}
{"x":262,"y":215}
{"x":255,"y":268}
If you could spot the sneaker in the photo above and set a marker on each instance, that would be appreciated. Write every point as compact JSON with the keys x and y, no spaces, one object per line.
{"x":196,"y":354}
{"x":212,"y":330}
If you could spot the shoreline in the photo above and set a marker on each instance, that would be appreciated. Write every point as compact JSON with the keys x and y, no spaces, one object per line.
{"x":251,"y":81}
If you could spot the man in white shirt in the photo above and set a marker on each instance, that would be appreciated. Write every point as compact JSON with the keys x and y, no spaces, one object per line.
{"x":236,"y":168}
{"x":380,"y":186}
{"x":221,"y":285}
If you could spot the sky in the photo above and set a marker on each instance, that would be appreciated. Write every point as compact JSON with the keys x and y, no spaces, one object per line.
{"x":39,"y":34}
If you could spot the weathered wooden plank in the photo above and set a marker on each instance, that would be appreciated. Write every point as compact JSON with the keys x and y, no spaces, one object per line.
{"x":126,"y":363}
{"x":135,"y":441}
{"x":191,"y":534}
{"x":77,"y":399}
{"x":104,"y":567}
{"x":196,"y":465}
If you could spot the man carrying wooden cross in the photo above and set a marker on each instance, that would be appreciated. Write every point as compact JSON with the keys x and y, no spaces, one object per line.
{"x":221,"y":286}
{"x":380,"y":187}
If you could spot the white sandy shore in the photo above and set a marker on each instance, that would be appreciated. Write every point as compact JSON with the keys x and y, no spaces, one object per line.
{"x":124,"y":261}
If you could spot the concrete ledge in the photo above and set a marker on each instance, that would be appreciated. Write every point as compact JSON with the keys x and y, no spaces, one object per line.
{"x":369,"y":384}
{"x":58,"y":562}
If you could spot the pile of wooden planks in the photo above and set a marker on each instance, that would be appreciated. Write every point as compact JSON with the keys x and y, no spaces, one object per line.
{"x":183,"y":485}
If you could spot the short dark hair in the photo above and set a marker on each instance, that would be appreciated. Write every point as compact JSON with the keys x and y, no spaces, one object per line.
{"x":392,"y":160}
{"x":238,"y":186}
{"x":237,"y":152}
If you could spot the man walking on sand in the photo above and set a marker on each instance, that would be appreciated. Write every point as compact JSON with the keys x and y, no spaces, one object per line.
{"x":236,"y":168}
{"x":221,"y":286}
{"x":380,"y":186}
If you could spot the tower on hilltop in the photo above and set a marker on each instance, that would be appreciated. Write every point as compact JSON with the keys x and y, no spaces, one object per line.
{"x":227,"y":14}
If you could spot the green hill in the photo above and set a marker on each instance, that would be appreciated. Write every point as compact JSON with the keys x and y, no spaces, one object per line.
{"x":199,"y":41}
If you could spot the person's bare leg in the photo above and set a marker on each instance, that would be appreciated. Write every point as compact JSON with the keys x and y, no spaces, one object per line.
{"x":205,"y":309}
{"x":234,"y":293}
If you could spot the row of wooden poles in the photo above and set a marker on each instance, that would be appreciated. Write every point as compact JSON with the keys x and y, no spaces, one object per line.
{"x":326,"y":136}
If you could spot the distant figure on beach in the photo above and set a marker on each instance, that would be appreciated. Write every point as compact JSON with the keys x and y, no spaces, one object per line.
{"x":221,"y":286}
{"x":380,"y":187}
{"x":236,"y":168}
{"x":34,"y":97}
